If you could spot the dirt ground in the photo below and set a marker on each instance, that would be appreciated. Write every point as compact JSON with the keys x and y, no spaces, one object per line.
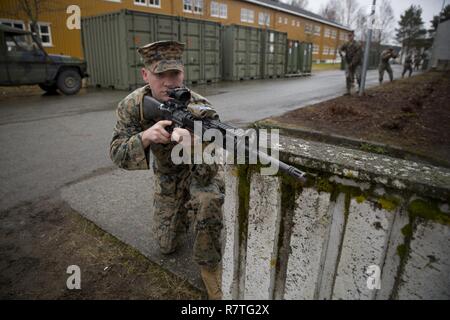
{"x":412,"y":113}
{"x":40,"y":240}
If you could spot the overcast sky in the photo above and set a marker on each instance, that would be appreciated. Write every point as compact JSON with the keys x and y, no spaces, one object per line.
{"x":429,"y":7}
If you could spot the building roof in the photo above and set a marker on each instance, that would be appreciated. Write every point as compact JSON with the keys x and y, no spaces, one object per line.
{"x":284,"y":7}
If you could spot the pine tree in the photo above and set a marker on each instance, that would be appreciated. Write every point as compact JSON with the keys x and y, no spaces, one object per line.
{"x":410,"y":27}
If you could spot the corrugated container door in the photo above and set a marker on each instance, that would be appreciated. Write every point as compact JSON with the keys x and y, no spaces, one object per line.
{"x":190,"y":34}
{"x":211,"y":58}
{"x":104,"y":46}
{"x":140,"y":31}
{"x":167,"y":28}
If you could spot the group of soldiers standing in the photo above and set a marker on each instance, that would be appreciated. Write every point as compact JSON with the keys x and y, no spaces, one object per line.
{"x":354,"y":58}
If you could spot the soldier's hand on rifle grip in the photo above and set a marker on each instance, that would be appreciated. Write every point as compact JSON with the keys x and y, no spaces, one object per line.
{"x":183,"y":136}
{"x":156,"y":134}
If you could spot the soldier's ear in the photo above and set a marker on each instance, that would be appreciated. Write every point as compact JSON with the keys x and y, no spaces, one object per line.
{"x":145,"y":74}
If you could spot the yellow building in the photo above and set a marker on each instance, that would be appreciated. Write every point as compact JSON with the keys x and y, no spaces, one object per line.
{"x":299,"y":24}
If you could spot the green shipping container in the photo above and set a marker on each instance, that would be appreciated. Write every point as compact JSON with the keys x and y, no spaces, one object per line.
{"x":110,"y":42}
{"x":299,"y":58}
{"x":241,"y":52}
{"x":307,"y":49}
{"x":274,"y":54}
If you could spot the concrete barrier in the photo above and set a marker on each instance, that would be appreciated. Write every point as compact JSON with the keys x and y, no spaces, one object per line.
{"x":366,"y":226}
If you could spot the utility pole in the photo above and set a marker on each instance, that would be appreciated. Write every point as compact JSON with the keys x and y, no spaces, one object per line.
{"x":367,"y":49}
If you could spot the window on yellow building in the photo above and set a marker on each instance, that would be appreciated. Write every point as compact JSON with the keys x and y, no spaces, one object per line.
{"x":280,"y":20}
{"x":293,"y":23}
{"x":223,"y":11}
{"x":317,"y":30}
{"x":198,"y":6}
{"x":214,"y":9}
{"x":187,"y":5}
{"x":247,"y":15}
{"x":44,"y":31}
{"x":285,"y":20}
{"x":308,"y":28}
{"x":150,"y":3}
{"x":315,"y":49}
{"x":333,"y":34}
{"x":264,"y":19}
{"x":13,"y":23}
{"x":327,"y":33}
{"x":298,"y":24}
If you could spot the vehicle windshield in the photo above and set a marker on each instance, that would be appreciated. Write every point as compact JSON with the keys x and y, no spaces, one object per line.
{"x":20,"y":43}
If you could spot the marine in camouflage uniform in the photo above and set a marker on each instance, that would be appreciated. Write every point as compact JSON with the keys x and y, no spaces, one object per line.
{"x":353,"y":59}
{"x":408,"y":66}
{"x":183,"y":193}
{"x":384,"y":65}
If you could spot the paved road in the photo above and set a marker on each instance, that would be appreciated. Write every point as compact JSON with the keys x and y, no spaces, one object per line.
{"x":48,"y":141}
{"x":60,"y":145}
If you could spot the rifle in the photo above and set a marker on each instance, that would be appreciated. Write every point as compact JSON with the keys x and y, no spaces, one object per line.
{"x":176,"y":110}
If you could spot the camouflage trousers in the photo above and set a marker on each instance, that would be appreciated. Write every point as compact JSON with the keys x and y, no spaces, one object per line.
{"x":351,"y":73}
{"x":188,"y":195}
{"x":385,"y":67}
{"x":407,"y":67}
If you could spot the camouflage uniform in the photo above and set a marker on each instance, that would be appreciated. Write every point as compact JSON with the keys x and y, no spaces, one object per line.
{"x":353,"y":59}
{"x":384,"y":65}
{"x":183,"y":193}
{"x":408,"y":66}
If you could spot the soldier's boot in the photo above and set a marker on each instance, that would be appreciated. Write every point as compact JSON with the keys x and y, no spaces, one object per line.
{"x":212,"y":278}
{"x":167,"y":243}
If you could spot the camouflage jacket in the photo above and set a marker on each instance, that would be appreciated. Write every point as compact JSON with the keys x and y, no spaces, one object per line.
{"x":353,"y":52}
{"x":386,"y":55}
{"x":126,"y":148}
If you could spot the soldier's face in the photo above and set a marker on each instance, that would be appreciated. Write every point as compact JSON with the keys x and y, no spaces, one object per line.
{"x":161,"y":82}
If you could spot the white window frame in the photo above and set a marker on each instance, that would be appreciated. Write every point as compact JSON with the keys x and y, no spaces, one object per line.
{"x":327,"y":33}
{"x":215,"y":9}
{"x":298,"y":24}
{"x":264,"y":19}
{"x":188,"y":5}
{"x":280,"y":20}
{"x":317,"y":29}
{"x":316,"y":49}
{"x":48,"y":24}
{"x":146,"y":3}
{"x":308,"y":28}
{"x":293,"y":23}
{"x":247,"y":15}
{"x":11,"y":23}
{"x":285,"y":20}
{"x":198,"y":6}
{"x":223,"y":10}
{"x":333,"y":34}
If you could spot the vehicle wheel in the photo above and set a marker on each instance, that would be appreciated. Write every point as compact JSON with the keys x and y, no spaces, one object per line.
{"x":48,"y":88}
{"x":69,"y":81}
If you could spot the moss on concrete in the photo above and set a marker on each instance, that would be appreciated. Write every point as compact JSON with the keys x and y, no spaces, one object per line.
{"x":428,"y":210}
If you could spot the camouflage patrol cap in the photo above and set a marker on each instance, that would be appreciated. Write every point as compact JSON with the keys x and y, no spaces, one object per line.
{"x":162,"y":56}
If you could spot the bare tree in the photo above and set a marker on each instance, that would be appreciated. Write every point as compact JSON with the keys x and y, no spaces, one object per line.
{"x":331,"y":11}
{"x":302,"y":4}
{"x":384,"y":22}
{"x":345,"y":12}
{"x":349,"y":11}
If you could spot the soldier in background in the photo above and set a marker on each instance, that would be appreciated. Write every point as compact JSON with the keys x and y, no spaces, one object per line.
{"x":417,"y":61}
{"x":384,"y":65}
{"x":353,"y":59}
{"x":408,"y":65}
{"x":181,"y":191}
